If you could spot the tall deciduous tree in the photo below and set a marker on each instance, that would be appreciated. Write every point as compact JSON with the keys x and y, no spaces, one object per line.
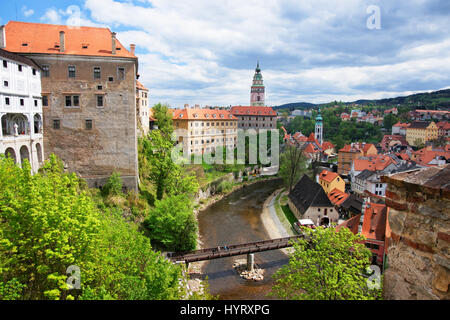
{"x":326,"y":265}
{"x":292,"y":164}
{"x":163,"y":116}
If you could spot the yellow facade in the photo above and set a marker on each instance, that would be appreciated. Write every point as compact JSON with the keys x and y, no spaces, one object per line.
{"x":416,"y":136}
{"x":330,"y":181}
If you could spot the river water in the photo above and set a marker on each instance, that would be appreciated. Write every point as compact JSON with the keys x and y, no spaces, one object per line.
{"x":236,"y":219}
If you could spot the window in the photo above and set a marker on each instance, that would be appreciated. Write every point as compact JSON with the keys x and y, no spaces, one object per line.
{"x":34,"y":71}
{"x":72,"y":101}
{"x":35,"y":103}
{"x":97,"y":73}
{"x":19,"y":66}
{"x":5,"y":64}
{"x":45,"y":71}
{"x":99,"y":88}
{"x":22,"y":102}
{"x":111,"y":79}
{"x":45,"y":101}
{"x":56,"y":124}
{"x":88,"y":124}
{"x":121,"y":73}
{"x":7,"y":101}
{"x":71,"y":70}
{"x":5,"y":83}
{"x":99,"y":100}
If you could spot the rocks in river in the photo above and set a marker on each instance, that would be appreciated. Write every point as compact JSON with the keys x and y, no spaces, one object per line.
{"x":241,"y":268}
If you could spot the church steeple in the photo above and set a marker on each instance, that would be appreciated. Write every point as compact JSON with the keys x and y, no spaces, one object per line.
{"x":257,"y":90}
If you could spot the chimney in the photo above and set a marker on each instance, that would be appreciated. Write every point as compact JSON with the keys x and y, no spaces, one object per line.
{"x":113,"y":43}
{"x":132,"y":48}
{"x":2,"y":37}
{"x":62,"y":41}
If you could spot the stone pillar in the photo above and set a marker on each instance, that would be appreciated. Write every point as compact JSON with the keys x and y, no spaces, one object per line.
{"x":250,"y":262}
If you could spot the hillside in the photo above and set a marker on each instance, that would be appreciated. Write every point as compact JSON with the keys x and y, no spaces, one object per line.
{"x":427,"y":100}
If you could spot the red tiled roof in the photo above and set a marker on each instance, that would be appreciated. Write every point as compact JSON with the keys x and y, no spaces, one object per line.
{"x":43,"y":38}
{"x":351,"y":223}
{"x":380,"y":162}
{"x":202,"y":114}
{"x":252,"y":111}
{"x":401,"y":125}
{"x":327,"y":145}
{"x":337,"y":197}
{"x":140,"y":86}
{"x":374,"y":223}
{"x":328,"y":176}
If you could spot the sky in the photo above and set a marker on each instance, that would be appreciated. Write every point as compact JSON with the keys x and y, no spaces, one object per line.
{"x":205,"y":52}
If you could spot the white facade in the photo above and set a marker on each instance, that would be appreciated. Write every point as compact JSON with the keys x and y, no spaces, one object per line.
{"x":143,"y":109}
{"x":21,"y":135}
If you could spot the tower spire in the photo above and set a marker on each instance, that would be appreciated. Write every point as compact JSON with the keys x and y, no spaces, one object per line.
{"x":257,"y":90}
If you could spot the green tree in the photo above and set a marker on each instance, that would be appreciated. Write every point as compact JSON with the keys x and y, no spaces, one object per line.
{"x":47,"y":223}
{"x":292,"y":164}
{"x":113,"y":187}
{"x":172,"y":223}
{"x":328,"y":266}
{"x":163,"y":116}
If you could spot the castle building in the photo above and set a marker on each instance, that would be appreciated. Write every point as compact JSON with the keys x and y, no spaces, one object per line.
{"x":21,"y":109}
{"x":257,"y":91}
{"x":88,"y":97}
{"x":203,"y":130}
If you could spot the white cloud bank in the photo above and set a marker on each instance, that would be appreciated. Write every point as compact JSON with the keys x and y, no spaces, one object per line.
{"x":205,"y":51}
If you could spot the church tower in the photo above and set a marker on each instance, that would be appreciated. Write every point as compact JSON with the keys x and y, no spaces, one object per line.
{"x":257,"y":90}
{"x":318,"y":133}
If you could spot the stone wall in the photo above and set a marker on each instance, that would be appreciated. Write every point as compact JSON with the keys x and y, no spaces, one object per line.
{"x":418,"y":251}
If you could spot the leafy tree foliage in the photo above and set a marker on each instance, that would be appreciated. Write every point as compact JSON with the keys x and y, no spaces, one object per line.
{"x":292,"y":165}
{"x":330,"y":266}
{"x":163,"y":116}
{"x":113,"y":186}
{"x":173,"y":224}
{"x":48,"y":222}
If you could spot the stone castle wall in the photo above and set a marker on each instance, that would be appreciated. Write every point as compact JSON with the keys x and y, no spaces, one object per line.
{"x":418,"y":250}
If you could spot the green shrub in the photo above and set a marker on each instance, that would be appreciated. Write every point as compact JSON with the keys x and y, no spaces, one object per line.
{"x":113,"y":186}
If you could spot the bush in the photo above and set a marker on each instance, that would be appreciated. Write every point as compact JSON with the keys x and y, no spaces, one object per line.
{"x":224,"y":187}
{"x":172,"y":224}
{"x":113,"y":186}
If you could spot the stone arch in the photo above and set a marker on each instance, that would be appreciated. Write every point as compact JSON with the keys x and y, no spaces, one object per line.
{"x":10,"y":153}
{"x":24,"y":154}
{"x":325,"y":221}
{"x":37,"y":121}
{"x":39,"y":153}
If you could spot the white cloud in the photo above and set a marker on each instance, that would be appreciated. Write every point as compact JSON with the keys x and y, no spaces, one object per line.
{"x":204,"y":51}
{"x":27,"y":12}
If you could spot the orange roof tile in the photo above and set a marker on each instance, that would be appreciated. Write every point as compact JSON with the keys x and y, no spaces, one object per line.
{"x":140,"y":86}
{"x":351,"y":223}
{"x":328,"y":176}
{"x":337,"y":197}
{"x":252,"y":111}
{"x":44,"y":38}
{"x":374,"y":224}
{"x":202,"y":114}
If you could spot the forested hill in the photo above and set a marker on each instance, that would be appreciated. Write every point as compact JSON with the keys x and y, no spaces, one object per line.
{"x":425,"y":100}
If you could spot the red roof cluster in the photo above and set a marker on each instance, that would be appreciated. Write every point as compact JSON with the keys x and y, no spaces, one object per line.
{"x":425,"y":155}
{"x":328,"y":176}
{"x":202,"y":114}
{"x":375,"y":163}
{"x":374,"y":223}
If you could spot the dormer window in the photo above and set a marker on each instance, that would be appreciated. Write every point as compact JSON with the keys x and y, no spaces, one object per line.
{"x":24,"y":44}
{"x":196,"y":115}
{"x":181,"y":115}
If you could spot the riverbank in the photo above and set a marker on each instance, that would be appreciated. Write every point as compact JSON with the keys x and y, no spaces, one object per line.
{"x":195,"y":269}
{"x":271,"y":222}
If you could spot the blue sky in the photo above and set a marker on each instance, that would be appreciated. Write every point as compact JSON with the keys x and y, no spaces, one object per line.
{"x":204,"y":52}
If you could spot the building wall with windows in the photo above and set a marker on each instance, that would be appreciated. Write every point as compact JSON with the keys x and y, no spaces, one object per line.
{"x":88,"y":95}
{"x":21,"y":133}
{"x":142,"y":108}
{"x":205,"y":130}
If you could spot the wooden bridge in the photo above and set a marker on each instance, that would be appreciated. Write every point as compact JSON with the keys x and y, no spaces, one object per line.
{"x":232,"y":250}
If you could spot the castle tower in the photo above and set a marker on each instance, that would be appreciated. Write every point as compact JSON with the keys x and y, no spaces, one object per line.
{"x":257,"y":90}
{"x":318,"y":133}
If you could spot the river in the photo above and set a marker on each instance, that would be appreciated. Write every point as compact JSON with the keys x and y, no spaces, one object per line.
{"x":236,"y":219}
